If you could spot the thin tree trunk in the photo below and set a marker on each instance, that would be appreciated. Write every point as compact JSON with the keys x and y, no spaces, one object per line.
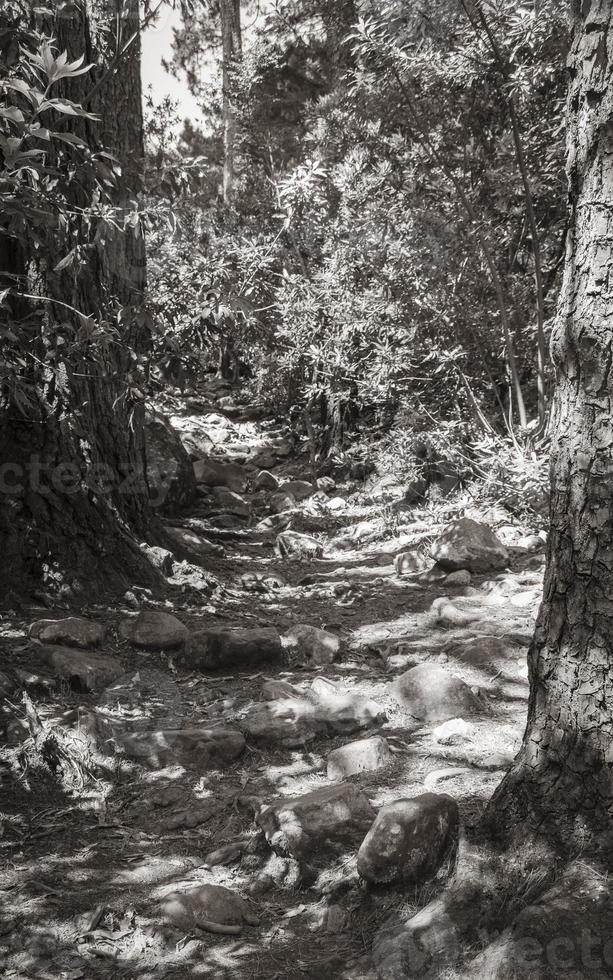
{"x":561,"y":783}
{"x":231,"y":55}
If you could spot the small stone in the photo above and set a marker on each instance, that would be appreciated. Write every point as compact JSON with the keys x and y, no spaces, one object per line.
{"x":154,"y":630}
{"x":337,"y":505}
{"x":364,"y":755}
{"x":271,"y":690}
{"x":327,"y":821}
{"x":73,"y":632}
{"x":326,"y":484}
{"x":91,"y":671}
{"x":196,"y":748}
{"x":444,"y":613}
{"x":299,"y":489}
{"x":221,"y":649}
{"x":317,"y":645}
{"x":190,"y":545}
{"x":431,"y":694}
{"x":454,"y":731}
{"x":160,"y":558}
{"x":409,"y":840}
{"x":407,"y":562}
{"x":469,"y":544}
{"x":266,"y":481}
{"x":282,"y":500}
{"x":211,"y":907}
{"x":461,"y":577}
{"x":292,"y":544}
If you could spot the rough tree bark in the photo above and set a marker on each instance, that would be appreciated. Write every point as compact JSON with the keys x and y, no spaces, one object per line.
{"x":73,"y":486}
{"x":230,"y":11}
{"x":561,"y":783}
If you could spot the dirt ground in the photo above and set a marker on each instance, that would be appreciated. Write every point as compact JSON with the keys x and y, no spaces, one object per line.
{"x":87,"y":853}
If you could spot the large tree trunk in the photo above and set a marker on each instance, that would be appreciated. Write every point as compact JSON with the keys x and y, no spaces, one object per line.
{"x":231,"y":54}
{"x":74,"y":481}
{"x":561,"y":783}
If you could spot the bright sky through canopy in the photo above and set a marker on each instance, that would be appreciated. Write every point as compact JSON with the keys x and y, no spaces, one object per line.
{"x":156,"y":45}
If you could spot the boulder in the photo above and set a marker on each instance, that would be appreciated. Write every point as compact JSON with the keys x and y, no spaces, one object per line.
{"x":431,"y":694}
{"x":291,"y":721}
{"x":446,"y":614}
{"x":454,"y":732}
{"x":160,"y":558}
{"x":191,"y":546}
{"x":407,"y":562}
{"x":194,"y":748}
{"x":266,"y":481}
{"x":325,"y":483}
{"x":282,"y":500}
{"x":213,"y":473}
{"x":292,"y":544}
{"x":469,"y":544}
{"x":364,"y":755}
{"x":428,"y":941}
{"x":231,"y":502}
{"x":565,"y":933}
{"x":316,"y":645}
{"x":409,"y":840}
{"x":170,"y":476}
{"x":154,"y":630}
{"x":226,"y":649}
{"x":480,"y":650}
{"x":312,"y":828}
{"x":299,"y":489}
{"x":73,"y":632}
{"x":210,"y":907}
{"x":80,"y":668}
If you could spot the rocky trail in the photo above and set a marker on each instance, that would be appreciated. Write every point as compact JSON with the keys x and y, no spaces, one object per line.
{"x":204,"y":783}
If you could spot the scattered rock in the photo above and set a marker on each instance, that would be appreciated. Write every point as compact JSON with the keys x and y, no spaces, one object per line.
{"x":454,"y":731}
{"x":195,"y":748}
{"x":566,"y":932}
{"x":461,"y":577}
{"x":316,"y":645}
{"x":170,"y":476}
{"x":310,"y":828}
{"x":299,"y":489}
{"x":409,"y":840}
{"x":432,"y":694}
{"x":469,"y":544}
{"x":336,"y":504}
{"x":292,"y":544}
{"x":443,"y":612}
{"x":213,"y":473}
{"x":479,"y":650}
{"x":190,"y":545}
{"x":266,"y":481}
{"x":73,"y":632}
{"x":325,"y":483}
{"x":160,"y":558}
{"x":85,"y":670}
{"x":225,"y":649}
{"x":407,"y":562}
{"x":154,"y":630}
{"x":410,"y":948}
{"x":209,"y":907}
{"x":282,"y":501}
{"x":290,"y":722}
{"x":531,"y":542}
{"x":231,"y":502}
{"x":271,"y":690}
{"x":364,"y":755}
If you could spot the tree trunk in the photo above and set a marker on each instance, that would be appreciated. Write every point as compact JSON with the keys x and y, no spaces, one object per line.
{"x":561,"y":783}
{"x":73,"y":478}
{"x":232,"y":52}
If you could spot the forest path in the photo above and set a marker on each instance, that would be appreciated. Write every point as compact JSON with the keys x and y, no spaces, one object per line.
{"x":85,"y":864}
